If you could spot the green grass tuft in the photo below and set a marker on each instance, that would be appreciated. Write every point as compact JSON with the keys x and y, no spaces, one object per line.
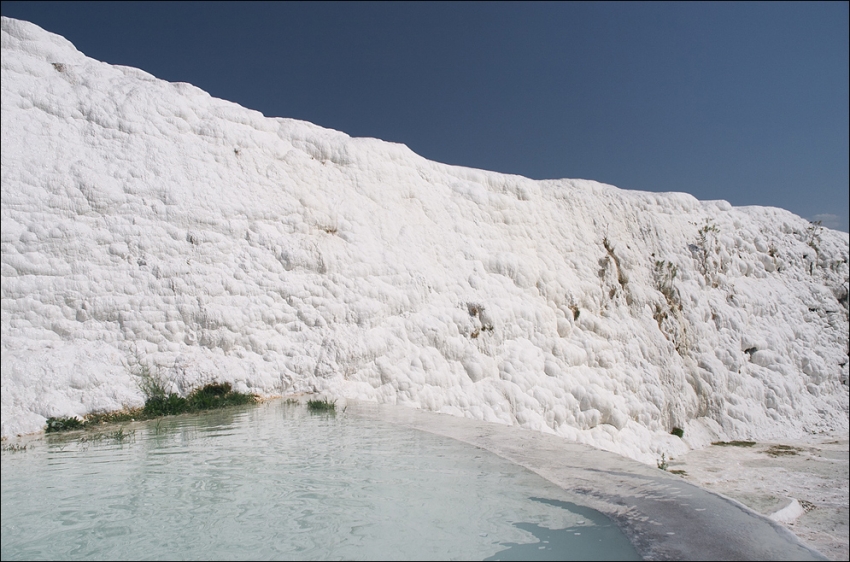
{"x":734,"y":443}
{"x":169,"y":405}
{"x":323,"y":405}
{"x":159,"y":403}
{"x":120,"y":435}
{"x":63,"y":424}
{"x":678,"y":432}
{"x":209,"y":397}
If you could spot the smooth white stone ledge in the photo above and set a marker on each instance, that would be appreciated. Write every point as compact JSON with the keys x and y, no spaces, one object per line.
{"x":665,"y":517}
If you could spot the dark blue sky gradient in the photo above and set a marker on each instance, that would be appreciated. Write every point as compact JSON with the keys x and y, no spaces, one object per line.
{"x":746,"y":102}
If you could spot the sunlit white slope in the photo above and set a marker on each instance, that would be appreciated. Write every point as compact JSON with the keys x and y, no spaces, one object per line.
{"x":147,"y":223}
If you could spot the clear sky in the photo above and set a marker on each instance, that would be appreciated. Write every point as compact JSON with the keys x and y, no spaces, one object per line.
{"x":746,"y":102}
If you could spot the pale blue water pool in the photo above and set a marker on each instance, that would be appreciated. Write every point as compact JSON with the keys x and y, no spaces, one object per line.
{"x":277,"y":482}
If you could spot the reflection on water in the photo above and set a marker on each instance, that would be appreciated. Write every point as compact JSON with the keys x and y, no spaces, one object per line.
{"x":276,"y":482}
{"x":594,"y":538}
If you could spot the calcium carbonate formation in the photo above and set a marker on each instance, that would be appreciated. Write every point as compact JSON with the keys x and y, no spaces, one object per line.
{"x":148,"y":227}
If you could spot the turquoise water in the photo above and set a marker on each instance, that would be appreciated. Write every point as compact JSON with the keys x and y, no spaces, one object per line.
{"x":277,"y":482}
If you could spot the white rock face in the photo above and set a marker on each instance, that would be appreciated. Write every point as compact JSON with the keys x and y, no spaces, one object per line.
{"x":145,"y":223}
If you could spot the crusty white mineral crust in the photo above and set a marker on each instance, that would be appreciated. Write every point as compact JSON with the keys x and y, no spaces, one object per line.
{"x":146,"y":224}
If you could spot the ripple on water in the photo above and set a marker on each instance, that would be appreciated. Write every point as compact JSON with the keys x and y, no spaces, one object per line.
{"x":275,"y":481}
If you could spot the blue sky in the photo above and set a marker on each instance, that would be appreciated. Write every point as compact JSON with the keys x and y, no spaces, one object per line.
{"x":746,"y":102}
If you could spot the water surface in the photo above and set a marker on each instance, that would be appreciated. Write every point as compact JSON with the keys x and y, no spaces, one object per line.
{"x":275,"y":481}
